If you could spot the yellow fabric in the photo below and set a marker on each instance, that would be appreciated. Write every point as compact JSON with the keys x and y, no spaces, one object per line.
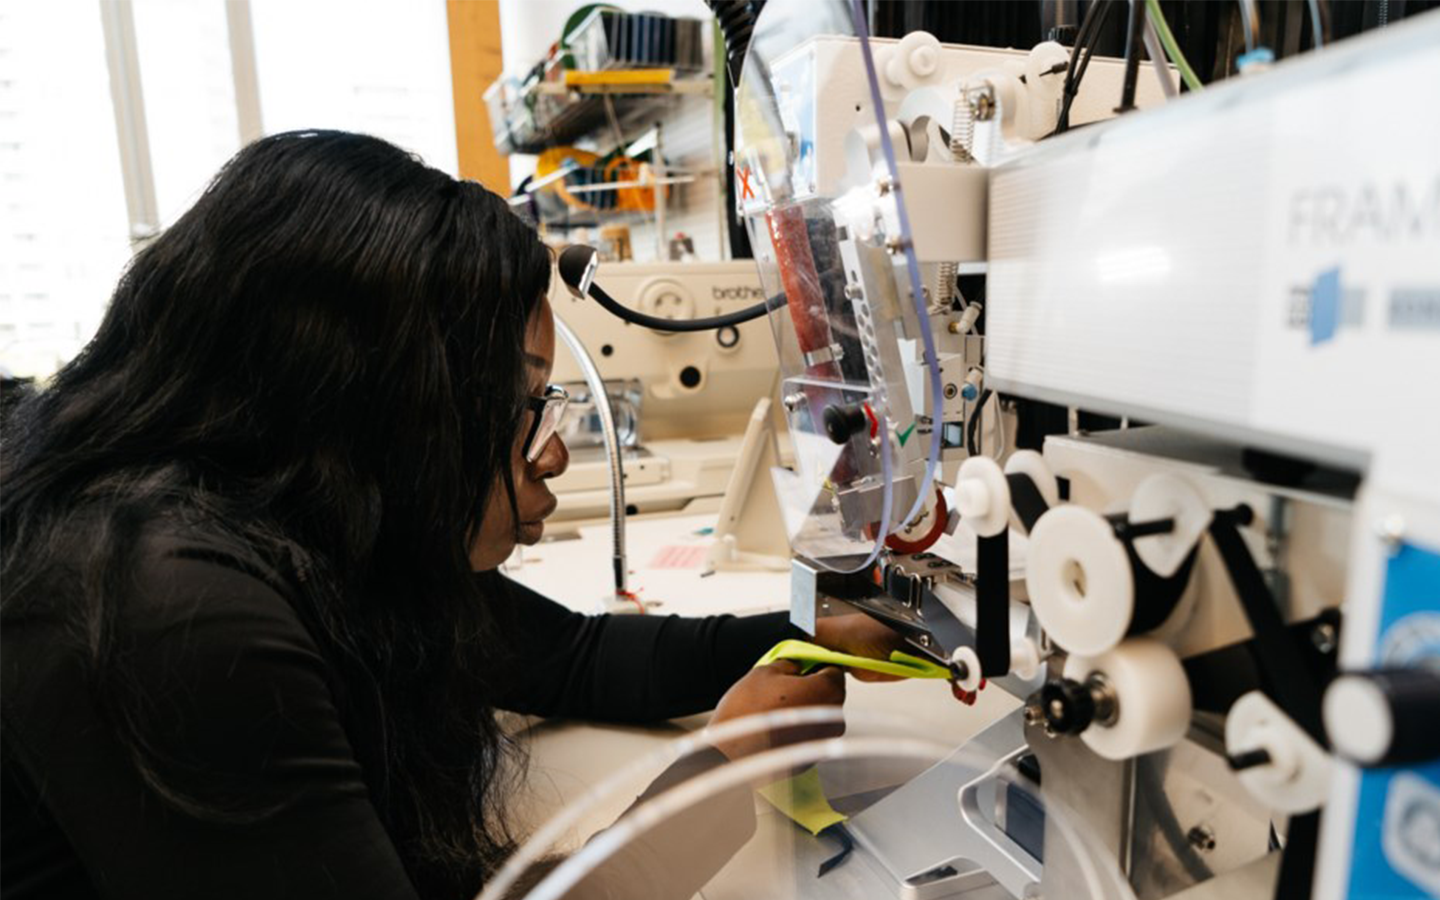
{"x":901,"y":664}
{"x":801,"y":797}
{"x":803,"y":800}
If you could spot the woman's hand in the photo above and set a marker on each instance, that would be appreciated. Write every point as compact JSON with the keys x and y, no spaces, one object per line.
{"x":859,"y":635}
{"x":779,"y":686}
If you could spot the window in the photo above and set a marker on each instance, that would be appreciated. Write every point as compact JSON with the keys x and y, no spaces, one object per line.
{"x":376,"y":66}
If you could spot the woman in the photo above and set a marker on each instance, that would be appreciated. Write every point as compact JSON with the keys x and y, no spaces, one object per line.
{"x":254,"y":634}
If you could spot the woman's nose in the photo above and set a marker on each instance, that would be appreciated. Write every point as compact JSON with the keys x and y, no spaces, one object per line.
{"x":553,"y":460}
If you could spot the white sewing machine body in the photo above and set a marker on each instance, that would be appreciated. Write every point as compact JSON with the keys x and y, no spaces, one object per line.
{"x":682,"y":401}
{"x":1259,"y":284}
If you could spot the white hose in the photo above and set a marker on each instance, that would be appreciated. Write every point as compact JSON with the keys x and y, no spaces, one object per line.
{"x":1157,"y":59}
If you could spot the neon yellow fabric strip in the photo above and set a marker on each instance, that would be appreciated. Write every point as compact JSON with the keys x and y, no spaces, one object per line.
{"x":803,"y":800}
{"x":902,"y":664}
{"x":801,"y":797}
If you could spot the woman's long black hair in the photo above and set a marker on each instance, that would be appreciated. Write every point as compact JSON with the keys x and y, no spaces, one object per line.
{"x":323,"y":358}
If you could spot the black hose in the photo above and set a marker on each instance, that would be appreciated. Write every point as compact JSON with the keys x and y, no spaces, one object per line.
{"x":708,"y":324}
{"x":1134,"y":41}
{"x":737,"y":22}
{"x":576,"y":268}
{"x":1089,"y":34}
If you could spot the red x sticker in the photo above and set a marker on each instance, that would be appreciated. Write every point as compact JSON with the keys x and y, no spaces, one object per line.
{"x":745,"y":192}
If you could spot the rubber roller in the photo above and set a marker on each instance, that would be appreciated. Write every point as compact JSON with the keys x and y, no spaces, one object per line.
{"x":1148,"y":698}
{"x":1079,"y":580}
{"x":1087,"y":583}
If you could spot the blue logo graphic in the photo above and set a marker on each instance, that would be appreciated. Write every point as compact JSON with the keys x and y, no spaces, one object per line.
{"x":1325,"y":307}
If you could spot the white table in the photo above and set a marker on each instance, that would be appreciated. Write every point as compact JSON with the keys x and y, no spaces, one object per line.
{"x":666,"y":558}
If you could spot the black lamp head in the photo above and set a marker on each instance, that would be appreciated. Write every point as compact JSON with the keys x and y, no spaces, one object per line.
{"x":577,"y":266}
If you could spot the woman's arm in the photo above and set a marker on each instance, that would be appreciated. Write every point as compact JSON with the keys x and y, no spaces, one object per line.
{"x":239,"y":718}
{"x":623,"y":668}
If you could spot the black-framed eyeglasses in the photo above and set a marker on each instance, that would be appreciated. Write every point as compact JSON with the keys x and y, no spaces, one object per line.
{"x":549,"y":409}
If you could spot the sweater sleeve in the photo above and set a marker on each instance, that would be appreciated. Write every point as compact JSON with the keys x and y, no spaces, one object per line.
{"x":253,"y":788}
{"x":625,"y":668}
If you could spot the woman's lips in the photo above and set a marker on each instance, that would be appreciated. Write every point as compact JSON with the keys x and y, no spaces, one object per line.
{"x":532,"y":530}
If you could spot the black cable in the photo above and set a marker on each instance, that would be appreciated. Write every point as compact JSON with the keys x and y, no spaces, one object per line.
{"x":1082,"y":35}
{"x":1134,"y":41}
{"x":576,"y":266}
{"x":1085,"y":43}
{"x":737,"y":24}
{"x":972,"y":427}
{"x":636,"y":317}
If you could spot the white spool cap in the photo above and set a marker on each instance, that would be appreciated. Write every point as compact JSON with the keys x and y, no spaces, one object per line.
{"x":1358,"y":719}
{"x":1079,"y":580}
{"x":983,"y":495}
{"x":1152,"y":696}
{"x":1167,"y":496}
{"x":1033,"y":466}
{"x":967,"y":657}
{"x":1297,"y":778}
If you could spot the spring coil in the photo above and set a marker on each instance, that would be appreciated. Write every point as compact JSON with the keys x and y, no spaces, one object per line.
{"x":962,"y":130}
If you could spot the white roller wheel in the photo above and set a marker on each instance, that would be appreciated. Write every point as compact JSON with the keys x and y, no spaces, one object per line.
{"x":1079,"y":580}
{"x":1033,"y":465}
{"x":967,"y":657}
{"x":1152,"y":696}
{"x":983,"y":495}
{"x":1297,"y":778}
{"x":1167,"y":496}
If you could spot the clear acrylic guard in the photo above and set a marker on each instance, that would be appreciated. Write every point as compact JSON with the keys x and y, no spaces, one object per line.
{"x":827,"y":226}
{"x":903,"y":816}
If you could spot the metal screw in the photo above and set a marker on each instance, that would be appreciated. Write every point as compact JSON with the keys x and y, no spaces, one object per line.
{"x":853,"y":292}
{"x":1324,"y":637}
{"x":985,"y":106}
{"x":1202,"y":838}
{"x":895,"y":244}
{"x":1034,"y":715}
{"x":924,"y":640}
{"x":950,"y":391}
{"x":884,"y":185}
{"x":794,"y":401}
{"x":1391,"y":529}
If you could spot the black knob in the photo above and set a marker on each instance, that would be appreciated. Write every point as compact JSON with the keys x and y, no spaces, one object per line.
{"x":1068,"y":706}
{"x":1385,"y":717}
{"x":841,"y":422}
{"x":1063,"y":34}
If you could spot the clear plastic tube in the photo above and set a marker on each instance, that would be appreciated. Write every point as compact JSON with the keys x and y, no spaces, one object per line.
{"x":917,"y":295}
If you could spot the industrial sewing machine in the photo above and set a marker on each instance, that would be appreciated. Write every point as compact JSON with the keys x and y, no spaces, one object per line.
{"x":1223,"y":625}
{"x":681,"y":401}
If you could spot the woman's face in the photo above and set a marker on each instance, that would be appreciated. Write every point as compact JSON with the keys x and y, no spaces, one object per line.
{"x":499,"y":531}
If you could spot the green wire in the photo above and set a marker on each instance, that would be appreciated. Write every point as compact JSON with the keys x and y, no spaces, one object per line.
{"x":1172,"y":48}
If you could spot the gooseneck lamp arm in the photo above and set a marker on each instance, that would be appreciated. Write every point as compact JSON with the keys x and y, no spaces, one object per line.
{"x":601,"y":398}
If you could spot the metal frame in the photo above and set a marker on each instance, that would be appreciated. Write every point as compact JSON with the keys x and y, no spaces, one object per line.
{"x":117,"y":20}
